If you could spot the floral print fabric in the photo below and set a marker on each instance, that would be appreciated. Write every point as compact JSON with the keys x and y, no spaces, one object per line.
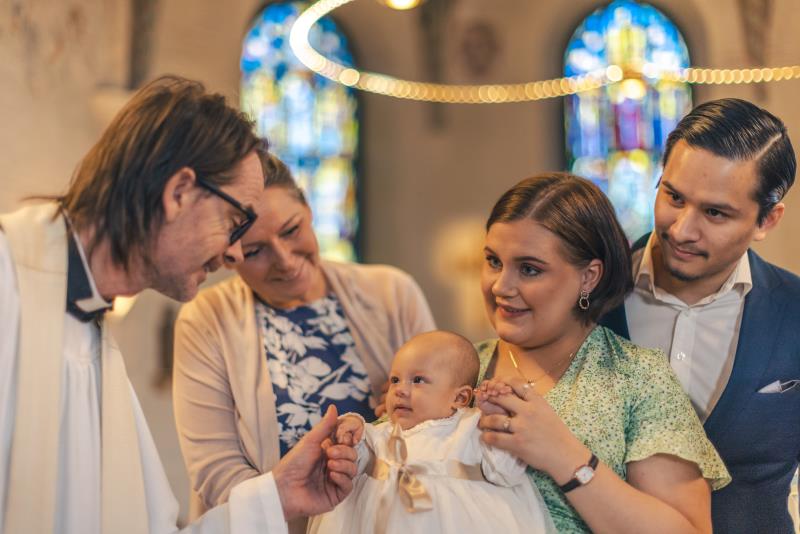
{"x":313,"y":363}
{"x":625,"y":404}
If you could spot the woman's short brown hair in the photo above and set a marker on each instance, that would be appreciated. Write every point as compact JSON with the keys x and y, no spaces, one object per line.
{"x":580,"y":214}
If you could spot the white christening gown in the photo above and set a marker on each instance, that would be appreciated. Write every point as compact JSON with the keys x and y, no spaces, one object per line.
{"x":451,"y":481}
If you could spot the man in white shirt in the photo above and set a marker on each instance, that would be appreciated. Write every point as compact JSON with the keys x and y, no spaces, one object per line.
{"x":727,"y":320}
{"x":161,"y":200}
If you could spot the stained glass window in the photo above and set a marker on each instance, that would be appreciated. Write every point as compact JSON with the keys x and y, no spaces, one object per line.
{"x":615,"y":135}
{"x":310,"y":121}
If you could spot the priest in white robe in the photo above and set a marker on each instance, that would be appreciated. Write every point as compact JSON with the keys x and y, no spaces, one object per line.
{"x":160,"y":201}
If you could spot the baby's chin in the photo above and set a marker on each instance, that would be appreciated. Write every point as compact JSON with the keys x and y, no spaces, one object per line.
{"x":404,"y":417}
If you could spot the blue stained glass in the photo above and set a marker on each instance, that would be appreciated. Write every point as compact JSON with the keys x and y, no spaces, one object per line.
{"x":615,"y":135}
{"x":310,"y":122}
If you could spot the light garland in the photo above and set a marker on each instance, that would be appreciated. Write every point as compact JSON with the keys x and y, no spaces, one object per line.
{"x":497,"y":93}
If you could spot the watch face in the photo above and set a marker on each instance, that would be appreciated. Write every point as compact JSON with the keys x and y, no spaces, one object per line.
{"x":584,"y":474}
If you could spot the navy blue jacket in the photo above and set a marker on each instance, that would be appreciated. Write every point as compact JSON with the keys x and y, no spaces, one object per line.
{"x":757,"y":434}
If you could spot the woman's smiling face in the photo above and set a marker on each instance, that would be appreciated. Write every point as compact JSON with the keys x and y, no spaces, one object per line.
{"x":530,"y":289}
{"x":281,"y":254}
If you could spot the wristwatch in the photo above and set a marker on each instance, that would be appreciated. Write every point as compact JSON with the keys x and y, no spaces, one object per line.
{"x":582,"y":476}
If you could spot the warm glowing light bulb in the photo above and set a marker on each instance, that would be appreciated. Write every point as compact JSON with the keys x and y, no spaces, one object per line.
{"x":402,"y":4}
{"x":614,"y":73}
{"x":349,"y":77}
{"x":633,"y":89}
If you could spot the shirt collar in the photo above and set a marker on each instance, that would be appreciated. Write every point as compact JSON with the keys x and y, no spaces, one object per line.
{"x":643,"y":269}
{"x":83,"y":299}
{"x":643,"y":277}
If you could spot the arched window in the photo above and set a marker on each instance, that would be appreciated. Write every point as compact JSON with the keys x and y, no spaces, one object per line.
{"x":310,"y":122}
{"x":615,"y":135}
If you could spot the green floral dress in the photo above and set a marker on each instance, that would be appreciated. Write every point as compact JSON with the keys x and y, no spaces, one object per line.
{"x":625,"y":404}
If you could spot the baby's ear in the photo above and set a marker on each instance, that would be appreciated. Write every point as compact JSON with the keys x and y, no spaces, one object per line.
{"x":463,"y":397}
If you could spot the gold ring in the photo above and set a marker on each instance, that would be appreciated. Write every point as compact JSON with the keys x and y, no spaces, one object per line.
{"x":507,"y":425}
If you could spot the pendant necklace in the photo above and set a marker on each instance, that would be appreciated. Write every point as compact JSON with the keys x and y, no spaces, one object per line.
{"x":531,"y":383}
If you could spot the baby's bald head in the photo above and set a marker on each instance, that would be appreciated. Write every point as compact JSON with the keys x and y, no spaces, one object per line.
{"x":450,"y":352}
{"x":432,"y":376}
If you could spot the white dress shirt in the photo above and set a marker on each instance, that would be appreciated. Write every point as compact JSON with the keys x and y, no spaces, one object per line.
{"x":254,"y":505}
{"x":700,"y":339}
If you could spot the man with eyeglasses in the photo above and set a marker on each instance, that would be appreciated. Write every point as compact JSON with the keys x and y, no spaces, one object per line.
{"x":160,"y":201}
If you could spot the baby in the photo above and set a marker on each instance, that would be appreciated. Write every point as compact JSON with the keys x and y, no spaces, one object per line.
{"x":426,"y":469}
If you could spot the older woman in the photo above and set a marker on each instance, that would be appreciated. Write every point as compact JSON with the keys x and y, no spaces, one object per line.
{"x":612,"y":441}
{"x":259,"y":357}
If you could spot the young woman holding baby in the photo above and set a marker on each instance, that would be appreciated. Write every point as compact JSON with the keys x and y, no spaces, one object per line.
{"x":612,"y":441}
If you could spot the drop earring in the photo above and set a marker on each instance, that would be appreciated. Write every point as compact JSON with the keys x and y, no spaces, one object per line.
{"x":583,"y":300}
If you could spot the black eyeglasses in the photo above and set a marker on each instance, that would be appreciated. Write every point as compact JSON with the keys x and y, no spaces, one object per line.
{"x":249,"y":214}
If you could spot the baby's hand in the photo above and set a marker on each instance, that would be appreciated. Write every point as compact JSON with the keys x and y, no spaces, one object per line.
{"x":488,"y":390}
{"x":349,"y":430}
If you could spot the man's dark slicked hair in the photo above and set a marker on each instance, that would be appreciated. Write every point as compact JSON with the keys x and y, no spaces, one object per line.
{"x":738,"y":130}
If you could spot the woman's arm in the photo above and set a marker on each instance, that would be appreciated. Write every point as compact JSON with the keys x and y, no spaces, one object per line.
{"x":205,"y":412}
{"x":663,"y":493}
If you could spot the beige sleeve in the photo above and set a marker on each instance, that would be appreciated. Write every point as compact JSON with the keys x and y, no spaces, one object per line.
{"x":415,"y":313}
{"x":205,"y":412}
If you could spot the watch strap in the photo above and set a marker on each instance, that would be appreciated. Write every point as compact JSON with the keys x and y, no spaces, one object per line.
{"x":574,"y":482}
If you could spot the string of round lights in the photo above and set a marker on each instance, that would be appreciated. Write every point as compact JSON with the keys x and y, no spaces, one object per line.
{"x":499,"y":93}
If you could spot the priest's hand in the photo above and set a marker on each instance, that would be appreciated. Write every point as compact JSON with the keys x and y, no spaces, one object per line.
{"x":315,"y":475}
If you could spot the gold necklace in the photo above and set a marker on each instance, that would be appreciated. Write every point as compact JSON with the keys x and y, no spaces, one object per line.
{"x":532,"y":382}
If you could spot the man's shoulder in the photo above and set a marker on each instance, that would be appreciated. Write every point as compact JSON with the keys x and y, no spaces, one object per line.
{"x":640,"y":243}
{"x":35,"y":236}
{"x":764,"y":272}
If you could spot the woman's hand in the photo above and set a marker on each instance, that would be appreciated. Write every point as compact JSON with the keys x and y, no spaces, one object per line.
{"x":380,"y":409}
{"x":520,"y":421}
{"x":349,"y":430}
{"x":663,"y":492}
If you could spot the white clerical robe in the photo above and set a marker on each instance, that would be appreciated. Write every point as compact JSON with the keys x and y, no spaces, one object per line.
{"x":254,"y":505}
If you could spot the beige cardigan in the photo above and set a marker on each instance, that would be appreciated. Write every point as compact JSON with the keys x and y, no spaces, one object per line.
{"x":224,"y":404}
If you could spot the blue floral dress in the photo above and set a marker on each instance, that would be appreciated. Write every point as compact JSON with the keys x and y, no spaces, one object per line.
{"x":313,"y":363}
